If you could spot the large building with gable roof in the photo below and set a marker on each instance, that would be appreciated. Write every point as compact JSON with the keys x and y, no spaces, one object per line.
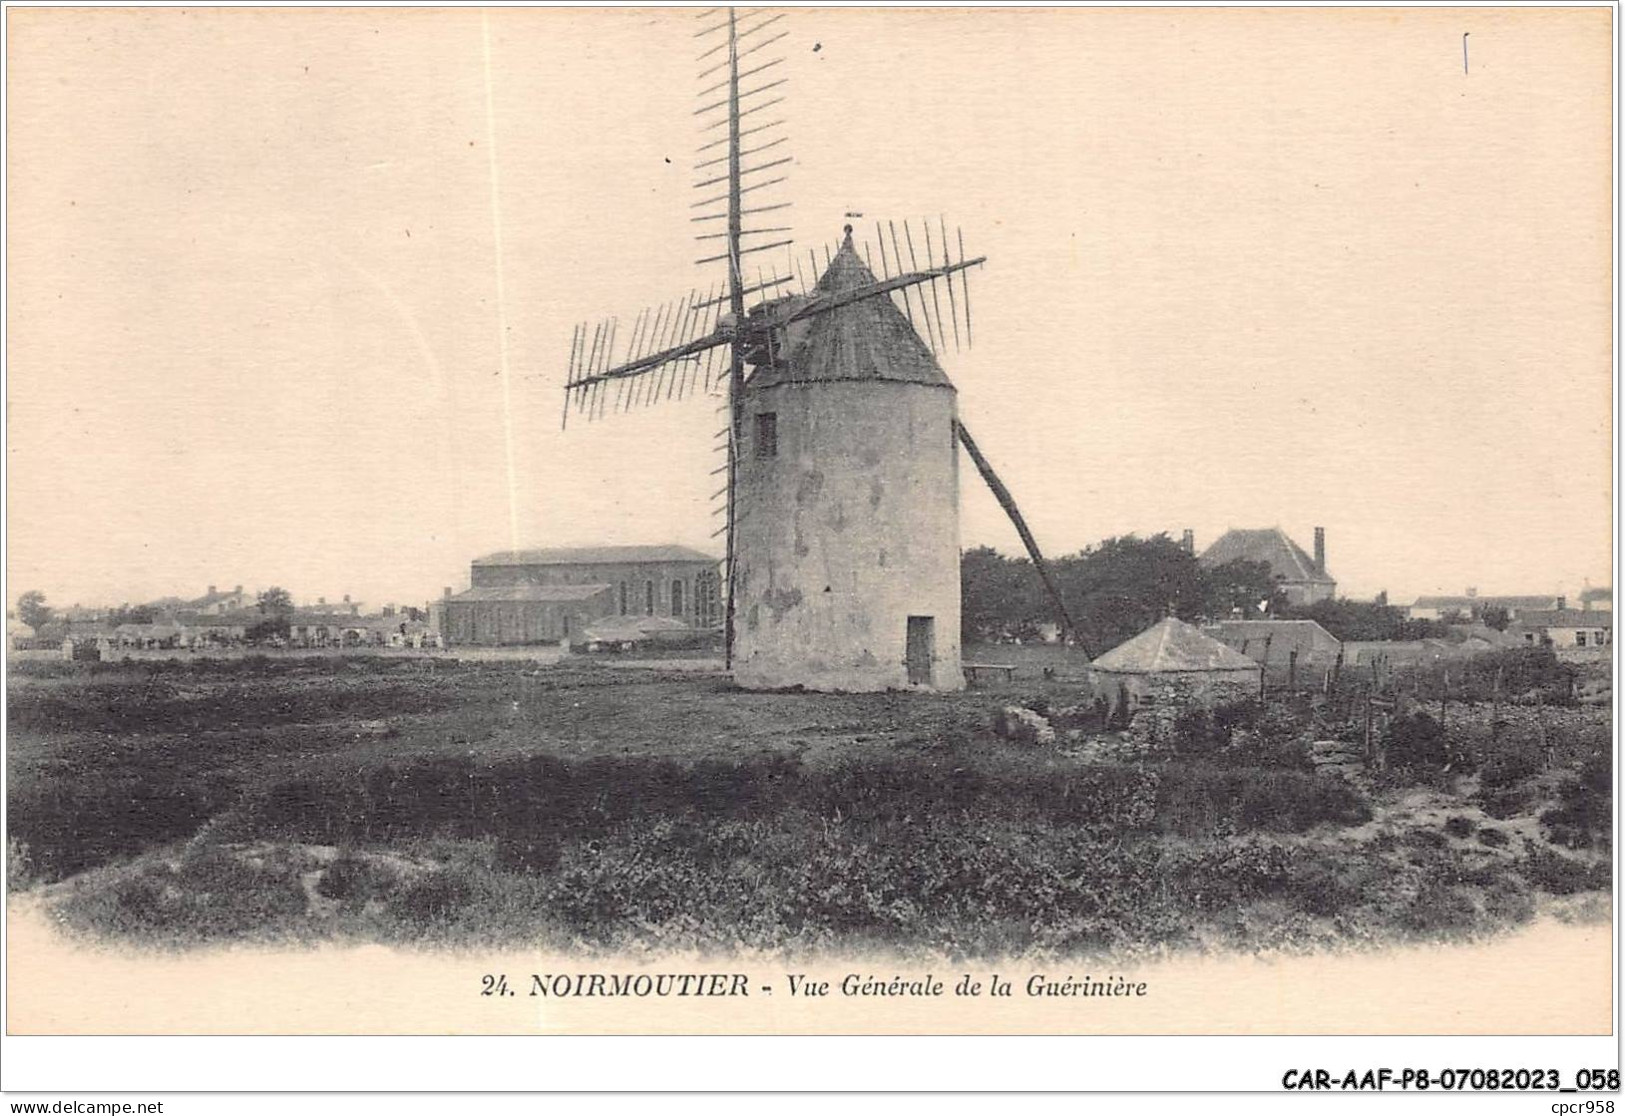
{"x":553,"y":594}
{"x":1304,"y":579}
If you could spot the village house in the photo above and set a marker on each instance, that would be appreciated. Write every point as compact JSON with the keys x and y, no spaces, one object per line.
{"x":16,"y":632}
{"x":549,"y":595}
{"x":215,"y":602}
{"x":1303,"y":579}
{"x":158,"y":636}
{"x":1597,"y":599}
{"x":1281,"y":646}
{"x":328,"y":629}
{"x":346,"y":607}
{"x":218,"y":629}
{"x":1471,"y":606}
{"x":1566,"y":628}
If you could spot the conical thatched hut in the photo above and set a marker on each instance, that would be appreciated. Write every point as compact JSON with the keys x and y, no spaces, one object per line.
{"x":1172,"y":663}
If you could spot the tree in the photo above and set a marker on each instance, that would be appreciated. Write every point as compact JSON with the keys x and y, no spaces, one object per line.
{"x":276,"y":601}
{"x":1000,"y":597}
{"x":132,"y":614}
{"x":1113,"y":590}
{"x":33,"y":611}
{"x":272,"y":627}
{"x":1120,"y":587}
{"x":1244,"y":585}
{"x":1365,"y":620}
{"x":1497,"y":617}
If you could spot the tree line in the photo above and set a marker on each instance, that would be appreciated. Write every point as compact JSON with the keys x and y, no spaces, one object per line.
{"x":1117,"y":588}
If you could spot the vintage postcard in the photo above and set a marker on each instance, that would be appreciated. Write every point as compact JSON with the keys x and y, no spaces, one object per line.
{"x":798,"y":521}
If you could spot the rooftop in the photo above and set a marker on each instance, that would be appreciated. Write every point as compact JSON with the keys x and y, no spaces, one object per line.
{"x":543,"y":594}
{"x":1172,"y":646}
{"x":1270,"y":545}
{"x":1565,"y":618}
{"x":1546,"y":601}
{"x":594,"y":556}
{"x":868,"y":339}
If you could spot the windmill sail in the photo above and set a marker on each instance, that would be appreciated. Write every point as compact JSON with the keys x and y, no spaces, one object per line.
{"x":701,"y":327}
{"x":707,"y":339}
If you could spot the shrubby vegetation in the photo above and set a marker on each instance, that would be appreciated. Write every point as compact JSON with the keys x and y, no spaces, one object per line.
{"x":467,"y":803}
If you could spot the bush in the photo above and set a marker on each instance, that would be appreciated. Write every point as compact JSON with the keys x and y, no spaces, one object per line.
{"x":1460,"y":825}
{"x":208,"y":896}
{"x":1524,"y":673}
{"x":1508,"y":768}
{"x":1509,"y":802}
{"x":1557,"y":874}
{"x":1328,"y":887}
{"x":1439,"y":907}
{"x":437,"y":897}
{"x":356,"y":879}
{"x":1416,"y":740}
{"x":1584,"y":814}
{"x":1508,"y":901}
{"x":72,"y":823}
{"x":1495,"y":838}
{"x":1199,"y":800}
{"x":21,"y":872}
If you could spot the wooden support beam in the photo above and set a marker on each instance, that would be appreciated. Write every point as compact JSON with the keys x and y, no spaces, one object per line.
{"x":1008,"y":503}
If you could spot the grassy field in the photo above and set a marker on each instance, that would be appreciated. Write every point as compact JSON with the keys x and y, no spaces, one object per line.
{"x":589,"y":807}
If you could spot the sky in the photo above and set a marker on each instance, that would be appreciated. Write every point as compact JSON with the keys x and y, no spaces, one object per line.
{"x":290,"y":291}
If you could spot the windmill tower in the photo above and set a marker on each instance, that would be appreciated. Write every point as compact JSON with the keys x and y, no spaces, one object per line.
{"x":848,"y":558}
{"x":842,"y":493}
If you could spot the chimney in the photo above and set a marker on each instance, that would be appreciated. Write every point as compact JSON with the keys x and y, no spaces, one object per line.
{"x":346,"y":598}
{"x":1320,"y":550}
{"x":211,"y":590}
{"x":321,"y":600}
{"x":446,"y":593}
{"x":238,"y":590}
{"x":1189,"y":541}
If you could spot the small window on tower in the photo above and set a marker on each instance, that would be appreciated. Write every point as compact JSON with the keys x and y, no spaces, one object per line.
{"x":767,"y":435}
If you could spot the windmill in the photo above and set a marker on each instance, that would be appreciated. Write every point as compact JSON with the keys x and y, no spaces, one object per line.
{"x":840,"y":502}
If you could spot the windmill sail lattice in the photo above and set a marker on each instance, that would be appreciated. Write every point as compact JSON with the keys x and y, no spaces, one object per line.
{"x":708,"y":340}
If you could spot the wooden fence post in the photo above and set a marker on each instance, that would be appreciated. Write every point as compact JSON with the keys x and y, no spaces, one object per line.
{"x":1370,"y":758}
{"x":1540,"y":730}
{"x":1495,"y":708}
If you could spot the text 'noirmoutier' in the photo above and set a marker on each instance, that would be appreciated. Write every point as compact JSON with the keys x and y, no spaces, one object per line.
{"x":638,"y":985}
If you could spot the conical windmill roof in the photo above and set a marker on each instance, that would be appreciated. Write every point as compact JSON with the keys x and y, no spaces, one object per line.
{"x":869,"y":339}
{"x":1172,"y":646}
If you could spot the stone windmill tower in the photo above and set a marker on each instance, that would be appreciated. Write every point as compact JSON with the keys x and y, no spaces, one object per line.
{"x":848,"y":554}
{"x":842,"y":490}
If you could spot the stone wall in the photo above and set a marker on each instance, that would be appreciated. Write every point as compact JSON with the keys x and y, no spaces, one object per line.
{"x":848,"y":529}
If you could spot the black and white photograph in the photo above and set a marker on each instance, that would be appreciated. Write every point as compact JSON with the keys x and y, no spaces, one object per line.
{"x":855,"y":521}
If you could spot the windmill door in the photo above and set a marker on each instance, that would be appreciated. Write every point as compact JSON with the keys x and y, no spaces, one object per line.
{"x":921,"y":645}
